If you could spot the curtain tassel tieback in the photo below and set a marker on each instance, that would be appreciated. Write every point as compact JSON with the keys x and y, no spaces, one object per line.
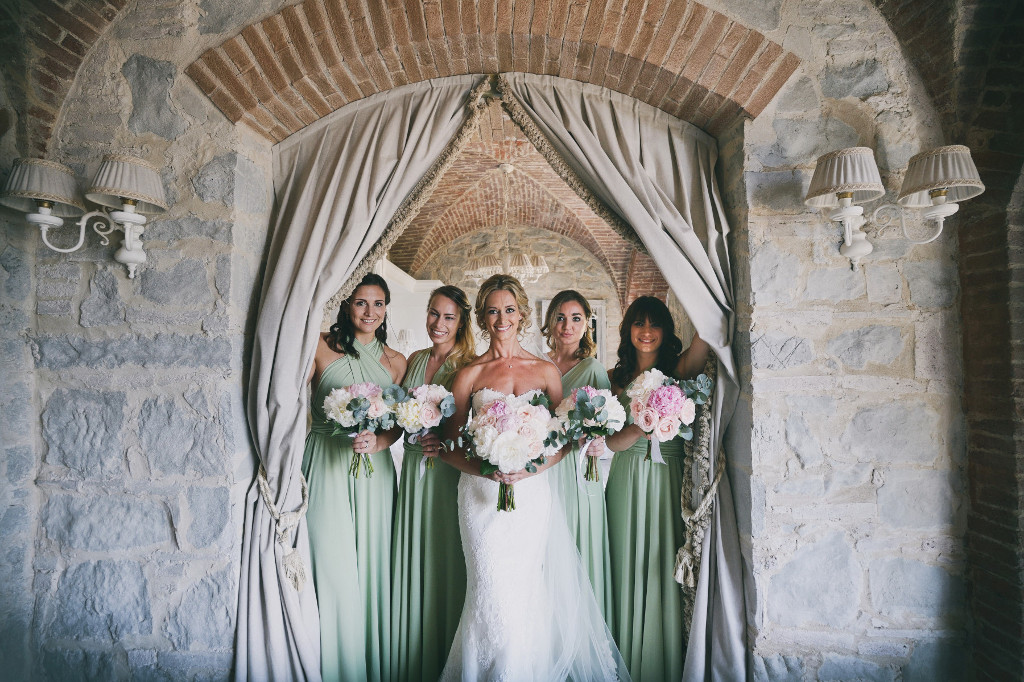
{"x":696,"y":521}
{"x":284,"y":524}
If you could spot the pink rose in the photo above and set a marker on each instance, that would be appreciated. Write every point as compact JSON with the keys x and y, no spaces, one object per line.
{"x":647,"y":420}
{"x":377,"y":408}
{"x":668,"y":428}
{"x":688,"y":411}
{"x":634,"y":409}
{"x":430,"y":415}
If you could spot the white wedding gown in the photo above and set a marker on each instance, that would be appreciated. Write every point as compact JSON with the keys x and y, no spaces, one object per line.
{"x":530,"y":614}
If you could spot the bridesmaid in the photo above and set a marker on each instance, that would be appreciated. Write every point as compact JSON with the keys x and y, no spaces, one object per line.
{"x":350,"y":518}
{"x":429,"y":578}
{"x":645,"y":526}
{"x":566,"y":328}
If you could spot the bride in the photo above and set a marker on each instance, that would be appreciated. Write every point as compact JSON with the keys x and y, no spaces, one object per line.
{"x":530,"y":612}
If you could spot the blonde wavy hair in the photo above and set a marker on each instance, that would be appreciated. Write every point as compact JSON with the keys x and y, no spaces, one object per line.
{"x":503,"y":283}
{"x":464,"y":350}
{"x":587,"y":346}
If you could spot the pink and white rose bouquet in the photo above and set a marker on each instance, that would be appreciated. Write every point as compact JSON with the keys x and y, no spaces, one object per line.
{"x":665,"y":408}
{"x":425,"y":408}
{"x":362,"y":407}
{"x":509,"y":433}
{"x":589,"y":413}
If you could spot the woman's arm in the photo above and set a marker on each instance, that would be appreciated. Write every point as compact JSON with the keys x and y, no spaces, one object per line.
{"x":692,"y":361}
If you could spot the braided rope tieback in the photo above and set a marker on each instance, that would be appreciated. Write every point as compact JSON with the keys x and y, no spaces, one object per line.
{"x":284,"y":524}
{"x":697,"y":472}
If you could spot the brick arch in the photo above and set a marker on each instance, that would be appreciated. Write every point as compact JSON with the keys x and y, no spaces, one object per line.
{"x":288,"y":70}
{"x":529,"y":204}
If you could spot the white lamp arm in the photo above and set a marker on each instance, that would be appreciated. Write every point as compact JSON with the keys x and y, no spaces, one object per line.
{"x":43,"y":229}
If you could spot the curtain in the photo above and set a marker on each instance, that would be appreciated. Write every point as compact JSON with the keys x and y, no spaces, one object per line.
{"x":338,"y":184}
{"x":656,"y":173}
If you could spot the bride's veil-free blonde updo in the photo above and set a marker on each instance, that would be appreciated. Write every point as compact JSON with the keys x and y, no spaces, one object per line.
{"x":503,"y":283}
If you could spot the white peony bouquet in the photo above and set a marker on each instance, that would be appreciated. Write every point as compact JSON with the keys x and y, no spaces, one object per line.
{"x":425,"y":408}
{"x":510,"y":434}
{"x":362,"y":407}
{"x":665,"y":408}
{"x":588,"y":413}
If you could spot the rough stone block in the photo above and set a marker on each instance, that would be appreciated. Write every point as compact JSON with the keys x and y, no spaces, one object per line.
{"x":798,"y":98}
{"x":20,"y":463}
{"x":178,"y":440}
{"x":834,"y":284}
{"x":772,"y":274}
{"x":203,"y":665}
{"x":205,"y":617}
{"x":904,"y":588}
{"x":54,"y":308}
{"x":104,"y":306}
{"x":105,"y":600}
{"x":222,"y":277}
{"x":211,"y":512}
{"x":778,"y":351}
{"x":937,"y":660}
{"x":801,"y":141}
{"x":106,"y":522}
{"x":811,"y":404}
{"x":875,"y":344}
{"x":216,"y":17}
{"x":780,"y":191}
{"x":185,"y":284}
{"x":189,"y":227}
{"x":885,"y":284}
{"x":932,"y":285}
{"x":18,"y":275}
{"x":778,"y":668}
{"x":64,"y":270}
{"x":862,"y":79}
{"x":162,"y":350}
{"x":916,"y":499}
{"x":234,"y":181}
{"x":82,"y":429}
{"x":937,"y":347}
{"x":852,"y":668}
{"x":804,"y":443}
{"x":150,"y":81}
{"x":83,"y":664}
{"x":895,"y":432}
{"x":820,"y":585}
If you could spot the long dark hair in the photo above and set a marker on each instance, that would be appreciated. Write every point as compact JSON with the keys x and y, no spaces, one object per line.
{"x":343,"y":332}
{"x":653,"y":310}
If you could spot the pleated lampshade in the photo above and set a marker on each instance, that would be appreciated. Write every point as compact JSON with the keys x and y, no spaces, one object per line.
{"x":945,"y":168}
{"x":121,"y":177}
{"x":845,"y":170}
{"x":36,"y":180}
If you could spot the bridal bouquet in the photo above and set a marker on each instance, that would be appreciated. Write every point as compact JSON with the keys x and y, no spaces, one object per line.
{"x":509,"y":434}
{"x":588,"y":413}
{"x":424,"y":409}
{"x":362,"y":407}
{"x":665,"y":408}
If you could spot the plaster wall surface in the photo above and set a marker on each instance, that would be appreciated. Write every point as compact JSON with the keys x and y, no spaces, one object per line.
{"x":126,"y":452}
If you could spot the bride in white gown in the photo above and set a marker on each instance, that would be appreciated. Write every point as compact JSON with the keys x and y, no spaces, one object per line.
{"x":530,"y":613}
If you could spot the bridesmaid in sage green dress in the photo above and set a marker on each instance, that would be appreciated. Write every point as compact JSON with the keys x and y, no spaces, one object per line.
{"x":429,"y":575}
{"x":349,"y":518}
{"x":567,"y":330}
{"x":644,"y":520}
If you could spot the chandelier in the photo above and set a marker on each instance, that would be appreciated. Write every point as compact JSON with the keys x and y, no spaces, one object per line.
{"x":517,"y":264}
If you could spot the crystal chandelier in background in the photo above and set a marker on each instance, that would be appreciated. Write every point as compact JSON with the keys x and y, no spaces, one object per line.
{"x":517,"y":264}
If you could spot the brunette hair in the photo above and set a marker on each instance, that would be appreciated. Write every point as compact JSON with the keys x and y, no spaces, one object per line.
{"x":343,"y":332}
{"x":503,"y":283}
{"x":465,"y":345}
{"x":653,"y":310}
{"x":587,"y":346}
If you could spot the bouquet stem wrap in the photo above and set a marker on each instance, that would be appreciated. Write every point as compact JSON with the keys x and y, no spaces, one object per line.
{"x":654,"y":452}
{"x":506,"y":497}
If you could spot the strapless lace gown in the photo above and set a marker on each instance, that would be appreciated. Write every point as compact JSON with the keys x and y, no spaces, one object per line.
{"x":530,"y":612}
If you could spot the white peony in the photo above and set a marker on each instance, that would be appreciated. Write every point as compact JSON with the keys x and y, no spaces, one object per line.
{"x":408,"y":415}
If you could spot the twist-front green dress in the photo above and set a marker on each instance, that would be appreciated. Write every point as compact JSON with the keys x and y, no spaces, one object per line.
{"x":645,"y":528}
{"x":584,"y":500}
{"x":429,"y":576}
{"x":350,"y":534}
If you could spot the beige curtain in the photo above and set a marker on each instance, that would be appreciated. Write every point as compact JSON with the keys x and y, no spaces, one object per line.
{"x":656,"y":173}
{"x":338,"y":184}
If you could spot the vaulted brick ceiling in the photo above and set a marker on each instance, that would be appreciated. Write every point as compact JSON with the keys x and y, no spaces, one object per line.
{"x":283,"y":73}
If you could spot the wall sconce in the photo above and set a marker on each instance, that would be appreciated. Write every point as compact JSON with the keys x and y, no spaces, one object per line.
{"x":935,"y":181}
{"x":842,"y":179}
{"x":46,"y":192}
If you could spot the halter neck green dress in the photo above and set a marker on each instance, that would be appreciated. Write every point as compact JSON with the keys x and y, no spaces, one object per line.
{"x":645,"y":528}
{"x":349,"y":522}
{"x":584,"y":500}
{"x":429,"y":575}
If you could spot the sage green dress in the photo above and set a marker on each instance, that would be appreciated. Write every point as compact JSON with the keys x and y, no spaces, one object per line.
{"x":645,"y":528}
{"x":349,"y":523}
{"x":429,"y":576}
{"x":584,"y":500}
